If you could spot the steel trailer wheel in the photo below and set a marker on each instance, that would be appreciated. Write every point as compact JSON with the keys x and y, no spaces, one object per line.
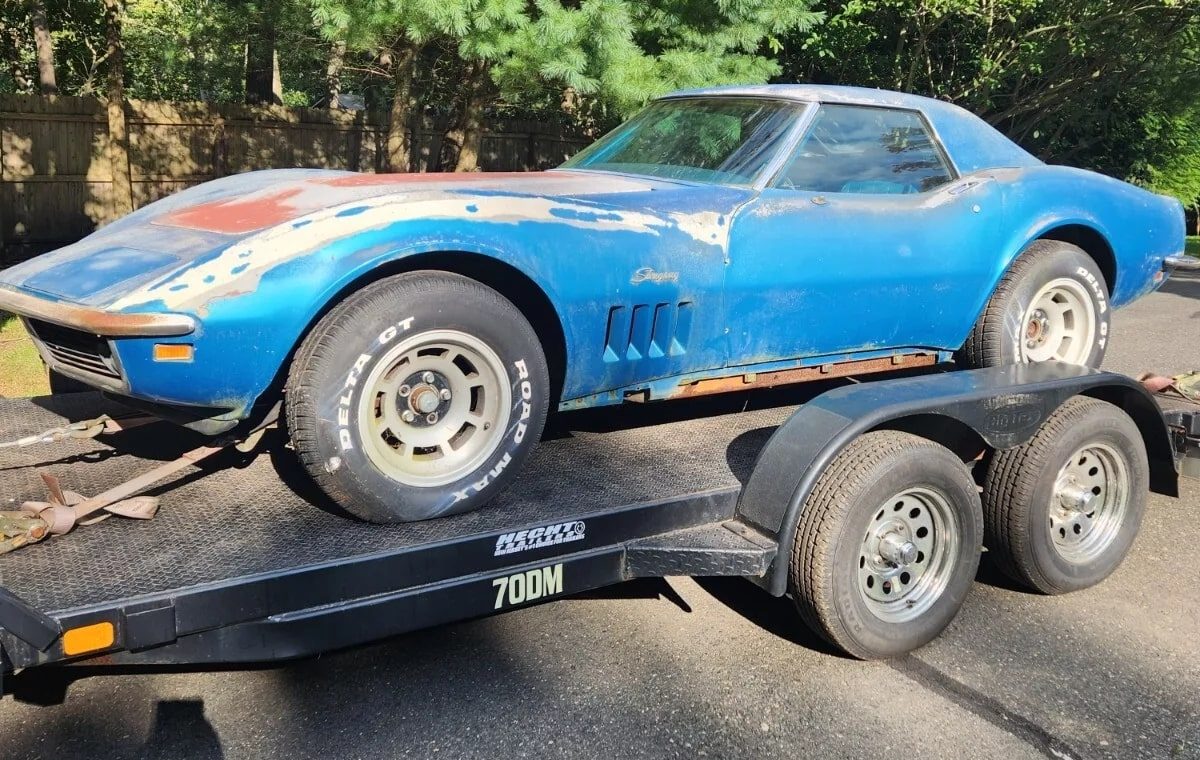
{"x":419,"y":396}
{"x":1061,"y":511}
{"x":1051,"y":305}
{"x":887,"y":545}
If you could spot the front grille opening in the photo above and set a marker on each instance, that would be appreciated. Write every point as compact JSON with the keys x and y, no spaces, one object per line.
{"x":76,"y":349}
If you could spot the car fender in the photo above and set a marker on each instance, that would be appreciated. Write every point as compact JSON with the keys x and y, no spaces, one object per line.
{"x":1139,"y":227}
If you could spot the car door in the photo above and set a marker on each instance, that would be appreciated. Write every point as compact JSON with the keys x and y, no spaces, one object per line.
{"x":867,"y":239}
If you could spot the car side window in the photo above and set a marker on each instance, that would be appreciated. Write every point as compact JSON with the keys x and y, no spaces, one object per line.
{"x":868,"y":150}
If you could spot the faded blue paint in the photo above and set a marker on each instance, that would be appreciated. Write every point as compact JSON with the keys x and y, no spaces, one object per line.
{"x":796,"y":283}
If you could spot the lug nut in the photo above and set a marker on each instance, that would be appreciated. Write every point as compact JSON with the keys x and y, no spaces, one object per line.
{"x":407,"y":416}
{"x":427,"y":377}
{"x":405,"y":390}
{"x":445,"y":394}
{"x":431,"y":418}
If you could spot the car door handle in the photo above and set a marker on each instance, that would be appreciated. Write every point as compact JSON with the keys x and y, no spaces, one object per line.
{"x":964,"y":187}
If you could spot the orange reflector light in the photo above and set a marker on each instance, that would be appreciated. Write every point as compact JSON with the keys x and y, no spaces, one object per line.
{"x":88,"y":638}
{"x":172,"y":352}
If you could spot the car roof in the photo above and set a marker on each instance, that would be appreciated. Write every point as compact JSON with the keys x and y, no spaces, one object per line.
{"x":972,"y":143}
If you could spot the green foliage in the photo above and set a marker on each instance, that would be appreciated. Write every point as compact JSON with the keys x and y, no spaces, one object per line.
{"x":1110,"y":85}
{"x":624,"y":52}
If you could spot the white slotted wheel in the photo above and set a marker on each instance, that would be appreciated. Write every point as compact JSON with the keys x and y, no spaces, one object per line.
{"x":1060,"y":323}
{"x":435,"y":406}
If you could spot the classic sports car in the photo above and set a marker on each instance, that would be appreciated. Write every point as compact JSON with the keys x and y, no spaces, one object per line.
{"x":420,"y":327}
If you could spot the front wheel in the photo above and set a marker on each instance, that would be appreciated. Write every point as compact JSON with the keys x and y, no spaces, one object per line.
{"x":419,"y":396}
{"x":1052,"y":305}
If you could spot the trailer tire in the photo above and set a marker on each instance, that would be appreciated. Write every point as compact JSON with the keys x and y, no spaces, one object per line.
{"x":916,"y":503}
{"x":1051,"y":304}
{"x":1089,"y":454}
{"x":419,"y":396}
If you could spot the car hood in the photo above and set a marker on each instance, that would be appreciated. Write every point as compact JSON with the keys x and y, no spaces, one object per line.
{"x":165,"y":254}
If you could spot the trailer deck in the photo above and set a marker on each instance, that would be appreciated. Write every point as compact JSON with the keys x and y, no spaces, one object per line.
{"x":232,"y":530}
{"x":247,"y":561}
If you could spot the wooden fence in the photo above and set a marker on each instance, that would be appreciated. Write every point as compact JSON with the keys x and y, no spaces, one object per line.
{"x":57,"y":167}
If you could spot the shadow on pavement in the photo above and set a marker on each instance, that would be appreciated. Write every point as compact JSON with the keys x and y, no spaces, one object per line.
{"x":1186,"y":284}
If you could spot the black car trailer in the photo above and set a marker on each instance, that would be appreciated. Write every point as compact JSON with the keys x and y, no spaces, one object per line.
{"x":247,"y":563}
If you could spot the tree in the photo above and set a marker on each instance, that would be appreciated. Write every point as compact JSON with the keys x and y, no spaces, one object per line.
{"x":263,"y":83}
{"x":47,"y":81}
{"x":1075,"y":81}
{"x":118,"y":134}
{"x":394,"y":32}
{"x":333,"y":73}
{"x":624,"y":52}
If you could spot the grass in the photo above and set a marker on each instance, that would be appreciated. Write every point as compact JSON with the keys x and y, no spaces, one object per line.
{"x":21,"y":370}
{"x":1193,"y":246}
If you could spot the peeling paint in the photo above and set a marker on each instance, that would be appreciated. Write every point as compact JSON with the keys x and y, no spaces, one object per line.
{"x":194,"y":287}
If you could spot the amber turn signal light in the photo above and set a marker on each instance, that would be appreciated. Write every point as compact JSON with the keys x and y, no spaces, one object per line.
{"x":173,"y":352}
{"x":88,"y":638}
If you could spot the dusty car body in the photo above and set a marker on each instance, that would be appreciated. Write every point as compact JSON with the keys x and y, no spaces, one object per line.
{"x":637,"y":283}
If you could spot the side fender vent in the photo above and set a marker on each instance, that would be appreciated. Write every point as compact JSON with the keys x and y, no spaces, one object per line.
{"x":647,"y":331}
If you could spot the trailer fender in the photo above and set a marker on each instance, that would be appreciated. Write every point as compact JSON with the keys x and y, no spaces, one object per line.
{"x":996,"y":407}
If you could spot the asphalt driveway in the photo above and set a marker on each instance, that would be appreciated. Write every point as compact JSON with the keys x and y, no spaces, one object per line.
{"x":710,"y":668}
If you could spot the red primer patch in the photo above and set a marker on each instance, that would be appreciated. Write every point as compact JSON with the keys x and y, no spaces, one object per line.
{"x":238,"y":215}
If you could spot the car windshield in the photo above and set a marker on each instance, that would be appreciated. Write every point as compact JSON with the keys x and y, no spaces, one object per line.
{"x":716,"y":140}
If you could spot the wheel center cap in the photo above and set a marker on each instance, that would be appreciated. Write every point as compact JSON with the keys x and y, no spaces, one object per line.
{"x":1038,"y":325}
{"x":424,"y":399}
{"x":897,"y":550}
{"x":1074,"y":498}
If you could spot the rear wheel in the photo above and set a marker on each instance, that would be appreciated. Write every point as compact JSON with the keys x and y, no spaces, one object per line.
{"x":887,"y":546}
{"x":1052,"y":305}
{"x":419,"y":396}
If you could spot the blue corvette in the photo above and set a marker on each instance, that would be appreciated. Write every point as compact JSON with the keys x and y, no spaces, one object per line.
{"x":420,"y":327}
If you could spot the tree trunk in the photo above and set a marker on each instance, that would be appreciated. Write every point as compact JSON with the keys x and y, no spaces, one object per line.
{"x":333,"y":73}
{"x":262,"y":59}
{"x":399,"y":145}
{"x":45,"y":48}
{"x":276,"y":79}
{"x":118,"y":133}
{"x":478,"y":97}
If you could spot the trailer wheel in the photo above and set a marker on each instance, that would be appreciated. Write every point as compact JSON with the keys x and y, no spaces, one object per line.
{"x":1062,"y":510}
{"x":420,"y":395}
{"x":887,"y":546}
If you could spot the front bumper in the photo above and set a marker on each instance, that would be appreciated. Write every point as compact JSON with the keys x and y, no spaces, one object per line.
{"x":93,"y":320}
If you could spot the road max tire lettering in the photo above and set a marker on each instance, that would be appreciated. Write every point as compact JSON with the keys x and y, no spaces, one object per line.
{"x":526,"y":397}
{"x":528,"y":586}
{"x":344,"y":401}
{"x":522,"y":426}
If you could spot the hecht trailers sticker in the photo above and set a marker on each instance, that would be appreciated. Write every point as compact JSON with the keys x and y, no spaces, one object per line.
{"x":536,"y":538}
